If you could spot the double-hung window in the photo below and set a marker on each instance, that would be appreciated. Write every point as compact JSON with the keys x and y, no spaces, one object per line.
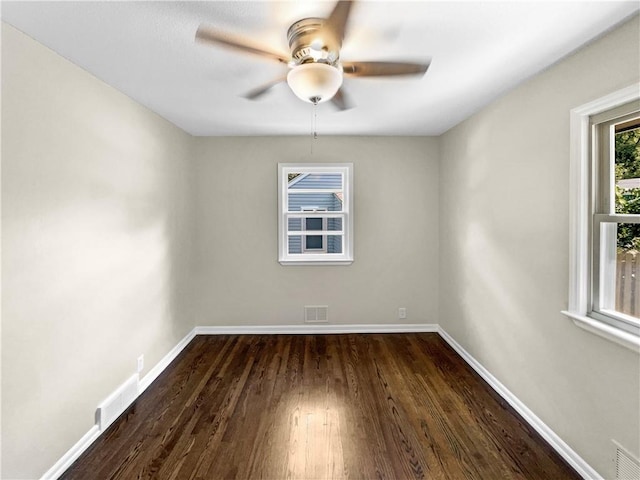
{"x":605,"y":217}
{"x":315,"y":213}
{"x":616,"y":218}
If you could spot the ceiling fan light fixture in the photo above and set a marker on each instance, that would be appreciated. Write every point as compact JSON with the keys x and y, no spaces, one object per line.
{"x":315,"y":82}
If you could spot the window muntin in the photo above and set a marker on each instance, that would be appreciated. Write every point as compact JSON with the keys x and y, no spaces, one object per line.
{"x":615,"y":232}
{"x":315,"y":198}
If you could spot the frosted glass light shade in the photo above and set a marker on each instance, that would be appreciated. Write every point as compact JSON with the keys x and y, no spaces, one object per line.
{"x":314,"y":82}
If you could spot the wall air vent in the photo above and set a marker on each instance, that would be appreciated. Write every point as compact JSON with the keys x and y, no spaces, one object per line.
{"x":627,"y":467}
{"x":316,"y":314}
{"x":116,"y":403}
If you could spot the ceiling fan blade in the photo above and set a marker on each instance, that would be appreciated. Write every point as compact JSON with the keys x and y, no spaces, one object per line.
{"x":379,"y":69}
{"x":337,"y":20}
{"x":341,"y":101}
{"x":209,"y":35}
{"x":262,"y":89}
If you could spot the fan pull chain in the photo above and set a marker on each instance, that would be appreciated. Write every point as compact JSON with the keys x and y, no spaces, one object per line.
{"x":314,"y":124}
{"x":315,"y":121}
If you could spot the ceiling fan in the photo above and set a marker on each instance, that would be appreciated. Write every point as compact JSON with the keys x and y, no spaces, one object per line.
{"x":315,"y":67}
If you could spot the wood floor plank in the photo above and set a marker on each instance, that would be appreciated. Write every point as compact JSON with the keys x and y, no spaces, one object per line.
{"x":471,"y":439}
{"x":508,"y":434}
{"x":356,"y":406}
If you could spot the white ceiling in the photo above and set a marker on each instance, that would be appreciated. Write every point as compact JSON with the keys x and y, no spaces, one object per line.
{"x":478,"y":49}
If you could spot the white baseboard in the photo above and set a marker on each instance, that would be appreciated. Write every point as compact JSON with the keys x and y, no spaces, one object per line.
{"x":310,"y":329}
{"x":94,"y":432}
{"x":565,"y":451}
{"x":164,"y":363}
{"x":72,"y":454}
{"x":568,"y":454}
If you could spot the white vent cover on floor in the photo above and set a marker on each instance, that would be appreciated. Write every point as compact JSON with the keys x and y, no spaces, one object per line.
{"x":627,"y":467}
{"x":116,"y":403}
{"x":316,"y":314}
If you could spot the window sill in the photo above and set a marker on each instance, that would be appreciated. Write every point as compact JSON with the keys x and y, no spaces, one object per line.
{"x":628,"y":340}
{"x":320,"y":263}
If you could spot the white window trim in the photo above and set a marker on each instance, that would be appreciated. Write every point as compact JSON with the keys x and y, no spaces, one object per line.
{"x":344,"y":258}
{"x":580,"y":216}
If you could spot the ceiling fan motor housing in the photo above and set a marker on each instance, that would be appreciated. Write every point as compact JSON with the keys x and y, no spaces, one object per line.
{"x":311,"y":42}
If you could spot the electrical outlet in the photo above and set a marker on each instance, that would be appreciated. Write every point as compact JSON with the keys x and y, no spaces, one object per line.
{"x":402,"y":313}
{"x":140,"y":363}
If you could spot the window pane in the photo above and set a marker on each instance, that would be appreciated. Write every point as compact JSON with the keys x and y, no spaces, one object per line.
{"x":314,"y":242}
{"x":321,"y":201}
{"x":627,"y":167}
{"x":627,"y":273}
{"x":334,"y":243}
{"x":627,"y":201}
{"x":295,"y":244}
{"x":295,"y":224}
{"x":334,"y":224}
{"x":315,"y":181}
{"x":314,"y":223}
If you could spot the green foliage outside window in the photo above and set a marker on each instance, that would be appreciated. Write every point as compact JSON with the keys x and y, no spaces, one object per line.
{"x":628,"y":199}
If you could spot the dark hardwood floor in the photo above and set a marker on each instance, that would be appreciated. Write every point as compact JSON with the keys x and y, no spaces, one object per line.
{"x":393,"y":406}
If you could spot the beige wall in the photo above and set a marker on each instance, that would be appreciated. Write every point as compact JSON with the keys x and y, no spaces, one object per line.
{"x":504,"y":245}
{"x":239,"y":280}
{"x":95,"y":231}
